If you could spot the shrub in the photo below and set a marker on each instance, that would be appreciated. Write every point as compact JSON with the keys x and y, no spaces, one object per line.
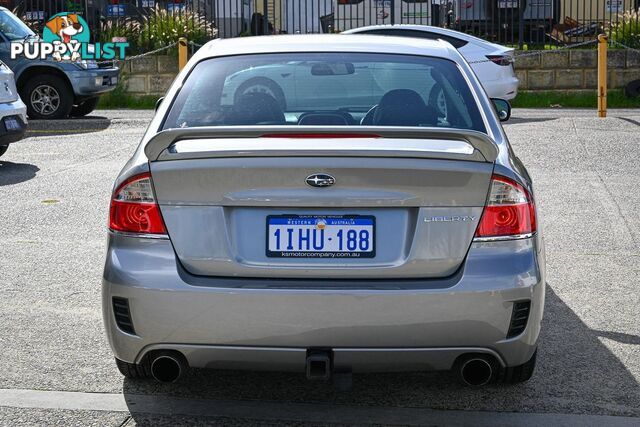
{"x":127,"y":27}
{"x":627,"y":30}
{"x":161,"y":28}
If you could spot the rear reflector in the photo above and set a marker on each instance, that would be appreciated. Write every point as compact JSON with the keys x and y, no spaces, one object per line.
{"x":134,"y":208}
{"x":510,"y":211}
{"x":319,"y":135}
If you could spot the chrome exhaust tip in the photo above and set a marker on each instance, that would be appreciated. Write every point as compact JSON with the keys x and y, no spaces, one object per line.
{"x":167,"y":367}
{"x":476,"y":371}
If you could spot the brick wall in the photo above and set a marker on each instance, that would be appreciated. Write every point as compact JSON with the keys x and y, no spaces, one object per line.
{"x":575,"y":70}
{"x":150,"y":75}
{"x":562,"y":70}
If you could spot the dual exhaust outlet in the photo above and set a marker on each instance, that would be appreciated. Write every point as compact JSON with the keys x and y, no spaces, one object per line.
{"x":472,"y":370}
{"x":168,"y":366}
{"x":476,"y":370}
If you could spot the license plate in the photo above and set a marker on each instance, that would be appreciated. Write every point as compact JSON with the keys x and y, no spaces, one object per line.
{"x":321,"y":236}
{"x":11,"y":124}
{"x":114,"y":81}
{"x":505,"y":4}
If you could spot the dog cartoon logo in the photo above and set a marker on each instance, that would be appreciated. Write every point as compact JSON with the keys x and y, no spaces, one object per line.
{"x":67,"y":36}
{"x":69,"y":29}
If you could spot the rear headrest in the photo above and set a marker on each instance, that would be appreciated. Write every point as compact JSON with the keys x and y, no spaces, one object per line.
{"x":404,"y":107}
{"x":256,"y":108}
{"x":327,"y":119}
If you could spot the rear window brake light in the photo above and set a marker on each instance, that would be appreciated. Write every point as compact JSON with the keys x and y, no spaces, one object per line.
{"x":319,"y":135}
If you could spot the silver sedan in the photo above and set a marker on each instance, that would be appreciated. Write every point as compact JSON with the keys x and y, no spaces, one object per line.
{"x":347,"y":227}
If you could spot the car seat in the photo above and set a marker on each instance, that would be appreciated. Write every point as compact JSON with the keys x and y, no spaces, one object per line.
{"x":256,"y":108}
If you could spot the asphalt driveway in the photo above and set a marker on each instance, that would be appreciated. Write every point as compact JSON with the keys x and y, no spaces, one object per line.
{"x":54,"y":195}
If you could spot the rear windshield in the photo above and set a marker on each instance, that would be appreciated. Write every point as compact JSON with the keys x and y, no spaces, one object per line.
{"x":332,"y":89}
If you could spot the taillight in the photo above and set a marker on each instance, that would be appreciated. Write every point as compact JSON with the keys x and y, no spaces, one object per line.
{"x":134,"y":208}
{"x":510,"y":211}
{"x":502,"y":60}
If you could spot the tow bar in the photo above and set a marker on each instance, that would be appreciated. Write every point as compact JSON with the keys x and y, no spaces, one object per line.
{"x":319,"y":364}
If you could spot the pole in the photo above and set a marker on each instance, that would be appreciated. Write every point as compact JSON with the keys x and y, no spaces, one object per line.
{"x":182,"y":52}
{"x":265,"y":17}
{"x":393,"y":11}
{"x":520,"y":24}
{"x":602,"y":75}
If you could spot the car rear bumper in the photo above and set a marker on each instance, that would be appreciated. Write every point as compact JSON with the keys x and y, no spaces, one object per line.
{"x":369,"y":325}
{"x":87,"y":83}
{"x":15,"y":109}
{"x":503,"y":88}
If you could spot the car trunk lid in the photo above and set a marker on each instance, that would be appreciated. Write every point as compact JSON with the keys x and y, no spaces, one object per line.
{"x":424,"y":190}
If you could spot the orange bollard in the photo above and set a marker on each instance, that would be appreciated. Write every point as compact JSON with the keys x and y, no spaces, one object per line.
{"x":183,"y":56}
{"x":602,"y":75}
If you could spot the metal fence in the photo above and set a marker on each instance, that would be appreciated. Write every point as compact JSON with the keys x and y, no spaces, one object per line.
{"x":534,"y":23}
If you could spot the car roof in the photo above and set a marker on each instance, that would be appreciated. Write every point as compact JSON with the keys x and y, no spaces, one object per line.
{"x":438,"y":30}
{"x":327,"y":43}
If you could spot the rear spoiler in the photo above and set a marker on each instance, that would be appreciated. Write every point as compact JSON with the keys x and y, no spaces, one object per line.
{"x":482,"y":148}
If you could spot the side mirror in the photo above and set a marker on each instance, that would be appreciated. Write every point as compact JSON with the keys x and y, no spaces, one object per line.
{"x":158,"y":102}
{"x":503,"y":108}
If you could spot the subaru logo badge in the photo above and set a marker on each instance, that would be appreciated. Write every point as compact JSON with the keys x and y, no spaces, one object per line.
{"x":320,"y":180}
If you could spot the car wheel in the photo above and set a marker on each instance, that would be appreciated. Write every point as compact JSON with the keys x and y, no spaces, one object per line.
{"x":438,"y":101}
{"x":85,"y":108}
{"x":262,"y":85}
{"x":521,"y":373}
{"x":133,"y":370}
{"x":3,"y":149}
{"x":632,"y":90}
{"x":47,"y":97}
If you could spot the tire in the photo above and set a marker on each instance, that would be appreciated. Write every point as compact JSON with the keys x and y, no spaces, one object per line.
{"x":3,"y":149}
{"x":134,"y":371}
{"x":521,"y":373}
{"x":264,"y":85}
{"x":632,"y":90}
{"x":47,"y":97}
{"x":85,"y":108}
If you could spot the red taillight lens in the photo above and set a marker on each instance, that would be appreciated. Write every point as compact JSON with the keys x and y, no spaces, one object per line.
{"x":134,"y":208}
{"x":502,"y":60}
{"x":510,"y":210}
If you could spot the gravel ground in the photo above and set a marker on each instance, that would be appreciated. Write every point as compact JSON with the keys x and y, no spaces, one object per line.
{"x":54,"y":195}
{"x":21,"y":417}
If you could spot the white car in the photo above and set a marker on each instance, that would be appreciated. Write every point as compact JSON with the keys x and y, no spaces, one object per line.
{"x":492,"y":63}
{"x":13,"y":112}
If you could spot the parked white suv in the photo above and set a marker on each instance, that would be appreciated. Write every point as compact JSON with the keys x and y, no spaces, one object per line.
{"x":13,"y":112}
{"x":492,"y":63}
